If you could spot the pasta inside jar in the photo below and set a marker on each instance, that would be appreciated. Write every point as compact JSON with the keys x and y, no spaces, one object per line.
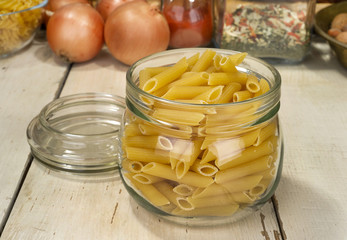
{"x":201,"y":136}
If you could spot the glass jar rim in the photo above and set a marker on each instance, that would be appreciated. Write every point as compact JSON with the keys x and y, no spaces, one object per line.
{"x":275,"y":88}
{"x":66,"y":145}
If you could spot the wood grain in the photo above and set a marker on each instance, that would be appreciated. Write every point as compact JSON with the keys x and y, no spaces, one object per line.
{"x":28,"y":81}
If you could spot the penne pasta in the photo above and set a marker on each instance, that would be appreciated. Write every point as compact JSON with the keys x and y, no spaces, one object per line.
{"x":146,"y":179}
{"x":132,"y":166}
{"x":237,"y":58}
{"x":149,"y":191}
{"x":210,"y":191}
{"x":167,"y":190}
{"x":210,"y":96}
{"x":222,"y":78}
{"x":204,"y":61}
{"x":227,"y":65}
{"x":215,"y":211}
{"x":165,"y":171}
{"x":183,"y":132}
{"x":178,"y":117}
{"x":194,"y":79}
{"x":228,"y":91}
{"x":247,"y":155}
{"x":204,"y":169}
{"x":242,"y":170}
{"x":221,"y":200}
{"x":185,"y":92}
{"x":147,"y":155}
{"x":154,"y":142}
{"x":252,"y":84}
{"x":184,"y":190}
{"x":242,"y":184}
{"x":240,"y":96}
{"x":165,"y":77}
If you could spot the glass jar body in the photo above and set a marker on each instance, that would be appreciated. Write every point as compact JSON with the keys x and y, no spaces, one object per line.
{"x":211,"y":172}
{"x":273,"y":30}
{"x":190,"y":22}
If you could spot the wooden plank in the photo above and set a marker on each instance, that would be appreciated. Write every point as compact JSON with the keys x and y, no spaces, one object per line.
{"x":312,"y":193}
{"x":28,"y":81}
{"x":53,"y":206}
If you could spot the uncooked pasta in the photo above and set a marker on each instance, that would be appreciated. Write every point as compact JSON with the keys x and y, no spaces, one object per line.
{"x":17,"y":25}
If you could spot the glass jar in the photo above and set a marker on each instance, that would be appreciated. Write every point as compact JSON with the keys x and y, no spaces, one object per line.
{"x":190,"y":22}
{"x":78,"y":133}
{"x":275,"y":30}
{"x":202,"y":164}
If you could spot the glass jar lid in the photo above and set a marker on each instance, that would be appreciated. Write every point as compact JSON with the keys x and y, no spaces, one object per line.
{"x":78,"y":133}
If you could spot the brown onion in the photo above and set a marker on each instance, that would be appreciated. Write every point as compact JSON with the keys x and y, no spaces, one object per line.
{"x":75,"y":32}
{"x":135,"y":30}
{"x":106,"y":7}
{"x":54,"y":5}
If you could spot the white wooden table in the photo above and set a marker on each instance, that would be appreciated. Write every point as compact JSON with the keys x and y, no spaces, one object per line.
{"x":37,"y":203}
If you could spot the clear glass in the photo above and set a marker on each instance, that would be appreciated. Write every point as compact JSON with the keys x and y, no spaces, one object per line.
{"x":274,"y":30}
{"x":211,"y":172}
{"x":18,"y":27}
{"x":78,"y":133}
{"x":190,"y":22}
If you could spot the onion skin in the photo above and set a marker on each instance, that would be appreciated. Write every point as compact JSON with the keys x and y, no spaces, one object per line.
{"x":75,"y":32}
{"x":54,"y":5}
{"x":106,"y":7}
{"x":135,"y":30}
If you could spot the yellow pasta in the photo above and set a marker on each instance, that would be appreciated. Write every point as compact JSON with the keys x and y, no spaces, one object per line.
{"x":149,"y":191}
{"x":183,"y":132}
{"x":165,"y":171}
{"x":210,"y":191}
{"x":260,"y":188}
{"x":17,"y":29}
{"x":185,"y":92}
{"x":167,"y":190}
{"x":242,"y":170}
{"x":247,"y":155}
{"x":204,"y":61}
{"x":147,"y":155}
{"x":266,"y":132}
{"x":264,"y":87}
{"x":149,"y":72}
{"x":178,"y":117}
{"x":166,"y":77}
{"x":210,"y":96}
{"x":184,"y":190}
{"x":243,"y":197}
{"x":192,"y":60}
{"x":227,"y":65}
{"x":195,"y":79}
{"x":252,"y":84}
{"x":204,"y":169}
{"x":155,"y":142}
{"x":228,"y":92}
{"x":221,"y":200}
{"x":221,"y":211}
{"x":132,"y":129}
{"x":207,"y":156}
{"x":242,"y":96}
{"x":132,"y":166}
{"x":146,"y":178}
{"x":242,"y":184}
{"x":237,"y":58}
{"x":222,"y":78}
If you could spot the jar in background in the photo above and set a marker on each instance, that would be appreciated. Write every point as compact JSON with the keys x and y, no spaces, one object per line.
{"x":190,"y":22}
{"x":277,"y":30}
{"x":214,"y":170}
